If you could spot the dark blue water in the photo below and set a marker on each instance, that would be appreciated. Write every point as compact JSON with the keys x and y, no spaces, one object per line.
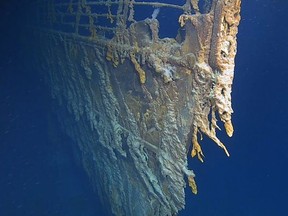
{"x":38,"y":173}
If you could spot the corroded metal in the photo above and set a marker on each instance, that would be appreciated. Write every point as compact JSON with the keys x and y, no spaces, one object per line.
{"x":134,"y":102}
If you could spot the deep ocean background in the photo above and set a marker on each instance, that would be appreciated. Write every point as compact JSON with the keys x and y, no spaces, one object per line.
{"x":38,"y":175}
